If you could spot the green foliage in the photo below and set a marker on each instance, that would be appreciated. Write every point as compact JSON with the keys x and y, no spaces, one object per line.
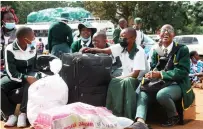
{"x":102,"y":9}
{"x":191,"y":29}
{"x":195,"y":13}
{"x":156,"y":14}
{"x":182,"y":15}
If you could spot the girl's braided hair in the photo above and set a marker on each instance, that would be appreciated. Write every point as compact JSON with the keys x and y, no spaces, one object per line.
{"x":8,"y":9}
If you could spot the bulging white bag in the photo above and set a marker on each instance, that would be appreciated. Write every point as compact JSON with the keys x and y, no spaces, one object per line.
{"x":159,"y":50}
{"x":47,"y":92}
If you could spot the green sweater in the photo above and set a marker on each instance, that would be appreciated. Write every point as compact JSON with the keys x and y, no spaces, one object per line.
{"x":116,"y":35}
{"x":59,"y":32}
{"x":180,"y":73}
{"x":76,"y":46}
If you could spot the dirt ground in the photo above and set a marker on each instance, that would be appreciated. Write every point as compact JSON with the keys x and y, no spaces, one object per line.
{"x":195,"y":124}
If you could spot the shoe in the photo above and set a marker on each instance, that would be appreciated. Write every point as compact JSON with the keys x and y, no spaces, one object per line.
{"x":12,"y":119}
{"x":138,"y":125}
{"x":22,"y":120}
{"x":171,"y":121}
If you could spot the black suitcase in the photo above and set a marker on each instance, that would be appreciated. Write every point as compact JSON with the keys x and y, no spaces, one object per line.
{"x":87,"y":77}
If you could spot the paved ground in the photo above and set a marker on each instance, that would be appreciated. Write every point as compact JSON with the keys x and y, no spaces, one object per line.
{"x":196,"y":124}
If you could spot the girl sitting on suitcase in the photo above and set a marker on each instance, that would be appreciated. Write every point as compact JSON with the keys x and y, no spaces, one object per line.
{"x":121,"y":96}
{"x":86,"y":32}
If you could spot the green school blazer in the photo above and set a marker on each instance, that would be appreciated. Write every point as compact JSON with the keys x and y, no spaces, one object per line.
{"x":180,"y":73}
{"x":76,"y":46}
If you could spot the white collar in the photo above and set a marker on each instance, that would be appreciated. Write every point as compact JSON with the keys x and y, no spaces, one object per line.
{"x":88,"y":42}
{"x":169,"y":48}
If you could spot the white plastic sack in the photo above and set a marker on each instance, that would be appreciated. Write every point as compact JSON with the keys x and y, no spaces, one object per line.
{"x":79,"y":116}
{"x":55,"y":66}
{"x":47,"y":93}
{"x":159,"y":50}
{"x":156,"y":48}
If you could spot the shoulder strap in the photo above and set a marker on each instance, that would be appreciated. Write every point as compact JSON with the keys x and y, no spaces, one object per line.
{"x":172,"y":53}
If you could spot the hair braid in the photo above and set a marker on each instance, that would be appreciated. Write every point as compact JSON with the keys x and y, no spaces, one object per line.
{"x":7,"y":9}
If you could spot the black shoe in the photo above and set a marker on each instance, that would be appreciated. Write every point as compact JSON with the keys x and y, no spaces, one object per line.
{"x":171,"y":121}
{"x":138,"y":125}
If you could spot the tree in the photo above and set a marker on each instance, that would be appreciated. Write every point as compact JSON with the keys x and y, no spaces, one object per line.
{"x":102,"y":9}
{"x":155,"y":14}
{"x":195,"y":13}
{"x":77,"y":4}
{"x":111,"y":10}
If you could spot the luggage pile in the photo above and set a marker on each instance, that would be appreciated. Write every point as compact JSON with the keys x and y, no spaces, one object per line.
{"x":67,"y":12}
{"x":87,"y":77}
